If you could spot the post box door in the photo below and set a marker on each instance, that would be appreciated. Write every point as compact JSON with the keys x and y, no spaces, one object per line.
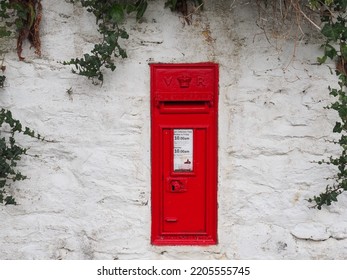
{"x":184,"y":178}
{"x":184,"y":154}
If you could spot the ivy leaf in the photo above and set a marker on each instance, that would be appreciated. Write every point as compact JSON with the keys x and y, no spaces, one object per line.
{"x":332,"y":32}
{"x":117,"y":13}
{"x":130,"y":8}
{"x":343,"y":4}
{"x":322,"y":59}
{"x":337,"y":128}
{"x":2,"y":183}
{"x":2,"y":80}
{"x":123,"y":34}
{"x":333,"y":197}
{"x":342,"y":112}
{"x":343,"y":140}
{"x":4,"y":32}
{"x":343,"y":50}
{"x":122,"y":53}
{"x":10,"y":200}
{"x":141,"y":8}
{"x":330,"y":51}
{"x":29,"y":132}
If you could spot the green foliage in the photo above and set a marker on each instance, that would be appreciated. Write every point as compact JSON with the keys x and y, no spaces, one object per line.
{"x":2,"y":80}
{"x":25,"y":16}
{"x":4,"y":32}
{"x":4,"y":6}
{"x":175,"y":5}
{"x":171,"y":4}
{"x":110,"y":15}
{"x":335,"y":47}
{"x":11,"y":153}
{"x":181,"y":6}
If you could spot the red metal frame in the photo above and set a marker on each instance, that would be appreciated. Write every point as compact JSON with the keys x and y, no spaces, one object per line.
{"x":184,"y":99}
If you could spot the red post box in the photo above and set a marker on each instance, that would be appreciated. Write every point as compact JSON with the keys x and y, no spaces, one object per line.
{"x":184,"y":110}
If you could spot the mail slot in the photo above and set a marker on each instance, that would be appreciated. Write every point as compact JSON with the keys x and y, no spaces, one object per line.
{"x":184,"y":110}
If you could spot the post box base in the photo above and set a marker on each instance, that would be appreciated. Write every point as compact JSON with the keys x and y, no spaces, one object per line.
{"x":184,"y":240}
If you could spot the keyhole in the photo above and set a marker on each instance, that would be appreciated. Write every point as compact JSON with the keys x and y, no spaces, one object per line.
{"x":172,"y":187}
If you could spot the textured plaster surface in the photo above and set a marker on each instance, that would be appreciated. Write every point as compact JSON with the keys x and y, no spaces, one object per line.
{"x":88,"y":193}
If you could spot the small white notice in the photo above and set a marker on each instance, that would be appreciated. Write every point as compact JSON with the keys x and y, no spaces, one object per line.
{"x":183,"y":150}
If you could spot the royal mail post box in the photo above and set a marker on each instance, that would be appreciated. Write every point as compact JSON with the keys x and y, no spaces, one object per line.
{"x":184,"y":109}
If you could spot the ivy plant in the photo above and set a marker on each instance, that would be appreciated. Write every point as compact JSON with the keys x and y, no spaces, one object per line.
{"x":333,"y":17}
{"x":3,"y":33}
{"x":11,"y":153}
{"x":181,"y":6}
{"x":110,"y":15}
{"x":25,"y":16}
{"x":2,"y":69}
{"x":2,"y":80}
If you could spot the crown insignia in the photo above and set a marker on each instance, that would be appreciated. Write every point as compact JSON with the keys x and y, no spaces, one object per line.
{"x":184,"y":81}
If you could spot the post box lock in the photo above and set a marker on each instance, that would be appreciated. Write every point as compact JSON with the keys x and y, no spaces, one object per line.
{"x":177,"y":186}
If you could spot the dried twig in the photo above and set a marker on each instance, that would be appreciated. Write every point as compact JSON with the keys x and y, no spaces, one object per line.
{"x":297,"y":8}
{"x":31,"y":24}
{"x":187,"y":17}
{"x":2,"y":66}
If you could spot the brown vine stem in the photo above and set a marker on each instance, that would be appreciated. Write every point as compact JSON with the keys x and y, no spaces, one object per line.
{"x":43,"y":139}
{"x":188,"y":16}
{"x":30,"y":28}
{"x":2,"y":66}
{"x":35,"y":30}
{"x":306,"y":17}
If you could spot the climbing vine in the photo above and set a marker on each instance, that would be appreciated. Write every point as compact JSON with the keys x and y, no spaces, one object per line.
{"x":181,"y":6}
{"x":109,"y":17}
{"x":25,"y":16}
{"x":11,"y":153}
{"x":110,"y":14}
{"x":2,"y":80}
{"x":332,"y":24}
{"x":333,"y":17}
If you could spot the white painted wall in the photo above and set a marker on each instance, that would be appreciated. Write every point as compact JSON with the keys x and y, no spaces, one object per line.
{"x":88,"y":196}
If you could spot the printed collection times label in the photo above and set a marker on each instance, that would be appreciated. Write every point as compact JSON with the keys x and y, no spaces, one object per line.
{"x":183,"y":150}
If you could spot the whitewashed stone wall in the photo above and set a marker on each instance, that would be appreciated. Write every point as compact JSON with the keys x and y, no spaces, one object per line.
{"x":88,"y":196}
